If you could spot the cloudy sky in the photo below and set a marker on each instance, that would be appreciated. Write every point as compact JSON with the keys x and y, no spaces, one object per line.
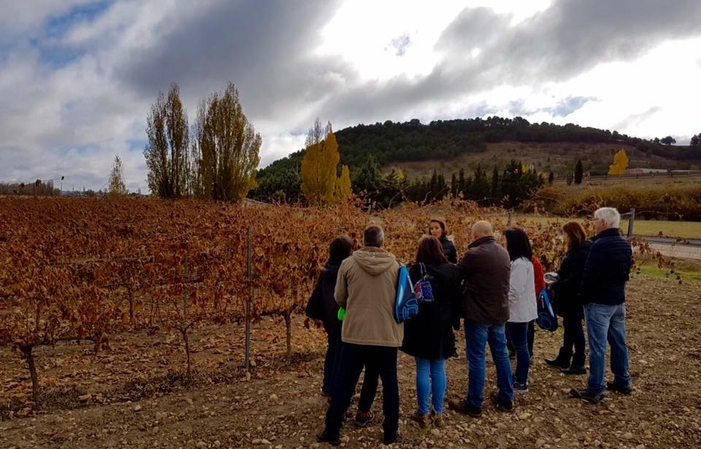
{"x":77,"y":77}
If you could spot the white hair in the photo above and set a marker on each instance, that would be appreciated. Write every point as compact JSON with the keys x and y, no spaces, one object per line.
{"x":610,"y":217}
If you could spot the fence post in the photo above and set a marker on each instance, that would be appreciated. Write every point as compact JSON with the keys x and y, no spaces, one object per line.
{"x":508,"y":220}
{"x":248,"y":301}
{"x":630,"y":223}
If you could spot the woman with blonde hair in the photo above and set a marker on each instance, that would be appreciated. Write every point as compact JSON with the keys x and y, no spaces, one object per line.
{"x":567,"y":303}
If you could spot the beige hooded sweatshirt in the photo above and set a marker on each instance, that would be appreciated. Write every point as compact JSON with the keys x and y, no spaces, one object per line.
{"x":366,"y":287}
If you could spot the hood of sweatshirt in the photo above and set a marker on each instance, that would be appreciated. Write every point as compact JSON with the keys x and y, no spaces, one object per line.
{"x":374,"y":261}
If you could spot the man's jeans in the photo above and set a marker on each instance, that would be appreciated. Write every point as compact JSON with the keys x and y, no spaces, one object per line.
{"x":477,"y":336}
{"x":606,"y":322}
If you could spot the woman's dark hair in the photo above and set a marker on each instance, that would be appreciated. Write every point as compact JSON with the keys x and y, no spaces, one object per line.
{"x":517,"y":244}
{"x":576,"y":233}
{"x":430,"y":251}
{"x":441,"y":224}
{"x":340,"y":248}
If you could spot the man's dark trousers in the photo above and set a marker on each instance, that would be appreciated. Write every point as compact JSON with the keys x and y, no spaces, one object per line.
{"x":380,"y":359}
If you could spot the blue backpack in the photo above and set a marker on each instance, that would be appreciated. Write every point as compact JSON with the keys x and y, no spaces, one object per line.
{"x":406,"y":306}
{"x":547,"y":320}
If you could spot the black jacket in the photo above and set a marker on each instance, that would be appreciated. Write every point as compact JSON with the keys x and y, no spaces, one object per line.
{"x":567,"y":302}
{"x":486,"y":270}
{"x":430,"y":334}
{"x":607,"y":269}
{"x":325,"y":288}
{"x":449,"y":250}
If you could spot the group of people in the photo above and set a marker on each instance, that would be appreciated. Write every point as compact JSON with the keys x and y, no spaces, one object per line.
{"x":491,"y":291}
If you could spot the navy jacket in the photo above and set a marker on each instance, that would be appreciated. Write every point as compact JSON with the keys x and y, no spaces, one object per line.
{"x":567,"y":301}
{"x":449,"y":250}
{"x":607,"y":269}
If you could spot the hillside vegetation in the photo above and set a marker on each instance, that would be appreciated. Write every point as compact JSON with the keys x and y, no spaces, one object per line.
{"x":412,"y":152}
{"x":481,"y":139}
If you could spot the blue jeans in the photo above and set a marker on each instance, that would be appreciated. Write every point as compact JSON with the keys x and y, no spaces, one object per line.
{"x":606,"y":323}
{"x":430,"y":378}
{"x":477,"y":335}
{"x":519,"y":338}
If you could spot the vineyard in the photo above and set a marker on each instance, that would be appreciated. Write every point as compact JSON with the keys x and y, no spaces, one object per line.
{"x":143,"y":274}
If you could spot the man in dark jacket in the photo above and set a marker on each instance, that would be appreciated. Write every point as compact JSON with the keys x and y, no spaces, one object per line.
{"x":602,"y":292}
{"x":486,"y":269}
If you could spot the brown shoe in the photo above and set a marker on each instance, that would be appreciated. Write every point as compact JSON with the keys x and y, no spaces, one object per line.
{"x":421,"y":420}
{"x":437,"y":419}
{"x":460,"y":406}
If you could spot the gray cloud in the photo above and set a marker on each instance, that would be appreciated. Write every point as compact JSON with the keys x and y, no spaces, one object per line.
{"x":264,"y":48}
{"x":570,"y":37}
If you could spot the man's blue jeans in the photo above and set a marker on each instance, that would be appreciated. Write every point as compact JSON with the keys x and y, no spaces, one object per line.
{"x":430,"y":379}
{"x":477,"y":336}
{"x":606,"y":323}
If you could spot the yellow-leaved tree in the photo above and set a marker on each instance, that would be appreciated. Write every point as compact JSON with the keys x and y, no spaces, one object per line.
{"x":343,"y":185}
{"x":620,"y":163}
{"x":319,"y":165}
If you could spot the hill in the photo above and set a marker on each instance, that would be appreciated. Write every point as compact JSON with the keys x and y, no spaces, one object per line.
{"x":448,"y":146}
{"x":495,"y":139}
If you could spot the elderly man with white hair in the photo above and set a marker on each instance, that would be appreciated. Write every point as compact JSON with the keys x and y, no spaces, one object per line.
{"x":602,"y":292}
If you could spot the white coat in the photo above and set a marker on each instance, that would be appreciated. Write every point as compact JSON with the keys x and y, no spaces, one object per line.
{"x":522,"y":302}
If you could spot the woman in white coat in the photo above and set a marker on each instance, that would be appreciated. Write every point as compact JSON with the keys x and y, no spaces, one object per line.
{"x":522,"y":303}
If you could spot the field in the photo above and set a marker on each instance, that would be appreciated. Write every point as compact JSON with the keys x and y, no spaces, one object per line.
{"x":133,"y":395}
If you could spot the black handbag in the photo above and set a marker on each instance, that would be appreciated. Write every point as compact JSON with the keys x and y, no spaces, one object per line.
{"x":315,"y":305}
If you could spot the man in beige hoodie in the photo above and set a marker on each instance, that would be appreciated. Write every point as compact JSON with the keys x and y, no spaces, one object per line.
{"x":366,"y":287}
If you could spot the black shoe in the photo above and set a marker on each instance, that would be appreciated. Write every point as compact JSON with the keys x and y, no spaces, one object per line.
{"x":587,"y":396}
{"x":324,"y":437}
{"x":574,"y":369}
{"x":618,"y":389}
{"x":390,"y":439}
{"x":558,"y":362}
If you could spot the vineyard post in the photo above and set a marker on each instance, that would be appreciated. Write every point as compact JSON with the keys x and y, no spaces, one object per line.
{"x":248,"y":301}
{"x":184,"y":327}
{"x":29,"y":357}
{"x":630,"y":223}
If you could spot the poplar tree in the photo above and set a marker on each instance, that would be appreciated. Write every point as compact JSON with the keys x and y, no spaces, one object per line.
{"x":166,"y":151}
{"x":319,"y":164}
{"x":226,"y":148}
{"x":620,"y":163}
{"x":343,"y":185}
{"x":116,"y":179}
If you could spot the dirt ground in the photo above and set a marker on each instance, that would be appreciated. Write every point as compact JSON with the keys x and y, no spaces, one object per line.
{"x":134,"y":395}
